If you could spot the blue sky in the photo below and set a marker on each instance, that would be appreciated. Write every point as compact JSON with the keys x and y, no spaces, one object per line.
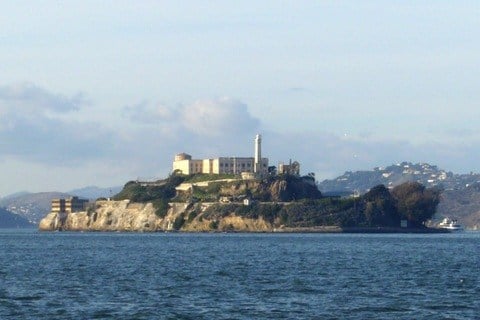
{"x":102,"y":92}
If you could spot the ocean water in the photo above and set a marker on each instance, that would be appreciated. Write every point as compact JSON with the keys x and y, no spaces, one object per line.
{"x":238,"y":276}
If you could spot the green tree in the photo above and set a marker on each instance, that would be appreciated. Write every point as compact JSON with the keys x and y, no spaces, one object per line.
{"x":416,"y":203}
{"x":380,"y":207}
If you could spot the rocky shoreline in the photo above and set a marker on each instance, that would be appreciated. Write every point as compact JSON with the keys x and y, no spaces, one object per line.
{"x":124,"y":216}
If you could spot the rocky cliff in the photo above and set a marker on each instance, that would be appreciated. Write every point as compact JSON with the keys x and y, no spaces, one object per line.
{"x":140,"y":217}
{"x":106,"y":216}
{"x":277,"y":203}
{"x":178,"y":203}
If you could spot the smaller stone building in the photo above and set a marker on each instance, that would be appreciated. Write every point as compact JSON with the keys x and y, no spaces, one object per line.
{"x":72,"y":204}
{"x":292,"y":168}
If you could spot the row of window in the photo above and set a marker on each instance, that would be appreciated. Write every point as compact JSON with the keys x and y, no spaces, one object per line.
{"x":226,"y":165}
{"x":248,"y":165}
{"x":232,"y":171}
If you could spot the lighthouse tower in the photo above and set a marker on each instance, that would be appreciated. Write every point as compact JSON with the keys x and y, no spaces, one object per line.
{"x":257,"y":168}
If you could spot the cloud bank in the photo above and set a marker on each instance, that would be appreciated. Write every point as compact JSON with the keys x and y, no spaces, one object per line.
{"x":204,"y":128}
{"x":207,"y":118}
{"x":42,"y":129}
{"x":41,"y":126}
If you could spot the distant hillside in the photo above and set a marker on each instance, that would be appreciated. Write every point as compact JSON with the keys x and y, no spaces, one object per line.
{"x":14,"y":195}
{"x":460,"y":197}
{"x":93,"y":192}
{"x":424,"y":173}
{"x":11,"y":220}
{"x":31,"y":206}
{"x":463,"y":205}
{"x":34,"y":206}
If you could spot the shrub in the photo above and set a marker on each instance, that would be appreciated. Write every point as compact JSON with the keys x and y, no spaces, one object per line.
{"x":268,"y":211}
{"x":220,"y":210}
{"x":326,"y":211}
{"x":161,"y":207}
{"x":213,"y":225}
{"x":192,"y":215}
{"x":178,"y":223}
{"x":200,"y":177}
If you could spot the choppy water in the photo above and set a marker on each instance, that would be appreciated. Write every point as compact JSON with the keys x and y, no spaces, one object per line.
{"x":238,"y":276}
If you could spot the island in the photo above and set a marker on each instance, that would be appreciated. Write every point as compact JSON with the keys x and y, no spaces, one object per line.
{"x":245,"y":194}
{"x":226,"y":203}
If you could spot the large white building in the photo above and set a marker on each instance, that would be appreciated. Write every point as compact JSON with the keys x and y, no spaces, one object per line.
{"x":233,"y":165}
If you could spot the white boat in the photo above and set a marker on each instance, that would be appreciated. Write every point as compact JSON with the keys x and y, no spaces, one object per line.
{"x":450,"y":224}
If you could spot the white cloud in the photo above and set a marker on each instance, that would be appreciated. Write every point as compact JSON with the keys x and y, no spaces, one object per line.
{"x":204,"y":128}
{"x":146,"y":114}
{"x":29,"y":99}
{"x":38,"y":125}
{"x":218,"y":117}
{"x":205,"y":118}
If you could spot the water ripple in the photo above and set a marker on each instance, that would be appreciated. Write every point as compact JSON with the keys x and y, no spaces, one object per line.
{"x":238,"y":276}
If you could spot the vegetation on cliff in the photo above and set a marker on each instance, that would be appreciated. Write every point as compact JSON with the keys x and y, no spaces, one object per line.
{"x":268,"y":211}
{"x":145,"y":192}
{"x":288,"y":201}
{"x":379,"y":207}
{"x":159,"y":192}
{"x":278,"y":188}
{"x":416,"y":203}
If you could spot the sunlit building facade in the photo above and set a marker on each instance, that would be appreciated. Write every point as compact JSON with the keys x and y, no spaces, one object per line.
{"x":184,"y":163}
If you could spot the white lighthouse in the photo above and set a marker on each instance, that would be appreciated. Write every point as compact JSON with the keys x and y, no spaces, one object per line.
{"x":258,"y":154}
